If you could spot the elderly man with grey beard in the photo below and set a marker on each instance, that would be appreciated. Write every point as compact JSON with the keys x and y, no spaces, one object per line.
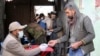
{"x":78,"y":31}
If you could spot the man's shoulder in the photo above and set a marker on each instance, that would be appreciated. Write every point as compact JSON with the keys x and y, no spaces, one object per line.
{"x":9,"y":37}
{"x":9,"y":40}
{"x":83,"y":15}
{"x":13,"y":43}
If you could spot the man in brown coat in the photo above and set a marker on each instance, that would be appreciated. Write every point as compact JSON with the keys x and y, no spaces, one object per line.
{"x":13,"y":47}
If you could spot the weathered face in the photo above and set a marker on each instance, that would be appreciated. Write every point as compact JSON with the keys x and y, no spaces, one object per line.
{"x":16,"y":32}
{"x":70,"y":13}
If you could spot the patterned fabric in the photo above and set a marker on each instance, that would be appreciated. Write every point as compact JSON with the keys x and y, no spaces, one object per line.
{"x":35,"y":30}
{"x":37,"y":33}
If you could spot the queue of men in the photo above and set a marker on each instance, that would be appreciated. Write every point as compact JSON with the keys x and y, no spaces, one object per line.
{"x":78,"y":33}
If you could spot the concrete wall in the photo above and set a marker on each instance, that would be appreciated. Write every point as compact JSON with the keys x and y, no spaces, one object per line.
{"x":2,"y":5}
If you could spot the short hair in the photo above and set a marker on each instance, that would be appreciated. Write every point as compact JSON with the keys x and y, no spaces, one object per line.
{"x":37,"y":15}
{"x":53,"y":12}
{"x":69,"y":7}
{"x":41,"y":15}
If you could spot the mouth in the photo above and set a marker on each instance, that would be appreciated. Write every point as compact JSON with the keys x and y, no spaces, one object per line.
{"x":70,"y":17}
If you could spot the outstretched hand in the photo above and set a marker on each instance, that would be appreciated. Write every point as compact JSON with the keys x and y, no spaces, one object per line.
{"x":76,"y":45}
{"x":43,"y":46}
{"x":52,"y":43}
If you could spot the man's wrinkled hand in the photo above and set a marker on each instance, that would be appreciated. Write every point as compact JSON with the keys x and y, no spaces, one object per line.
{"x":52,"y":43}
{"x":76,"y":45}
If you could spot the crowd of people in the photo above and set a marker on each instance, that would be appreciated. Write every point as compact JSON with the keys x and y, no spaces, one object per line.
{"x":49,"y":30}
{"x":71,"y":27}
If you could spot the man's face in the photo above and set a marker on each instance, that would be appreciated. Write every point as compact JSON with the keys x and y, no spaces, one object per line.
{"x":53,"y":16}
{"x":70,"y":13}
{"x":37,"y":17}
{"x":16,"y":32}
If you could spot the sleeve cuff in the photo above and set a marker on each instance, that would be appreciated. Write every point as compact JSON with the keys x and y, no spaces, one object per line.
{"x":83,"y":42}
{"x":58,"y":41}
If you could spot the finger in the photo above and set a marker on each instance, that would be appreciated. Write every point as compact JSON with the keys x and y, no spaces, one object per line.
{"x":51,"y":45}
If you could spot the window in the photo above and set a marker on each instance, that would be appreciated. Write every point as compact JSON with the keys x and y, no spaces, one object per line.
{"x":43,"y":9}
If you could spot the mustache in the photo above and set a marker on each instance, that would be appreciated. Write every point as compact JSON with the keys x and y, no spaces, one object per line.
{"x":70,"y":17}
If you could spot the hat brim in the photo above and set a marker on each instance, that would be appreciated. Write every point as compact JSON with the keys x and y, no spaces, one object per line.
{"x":22,"y":27}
